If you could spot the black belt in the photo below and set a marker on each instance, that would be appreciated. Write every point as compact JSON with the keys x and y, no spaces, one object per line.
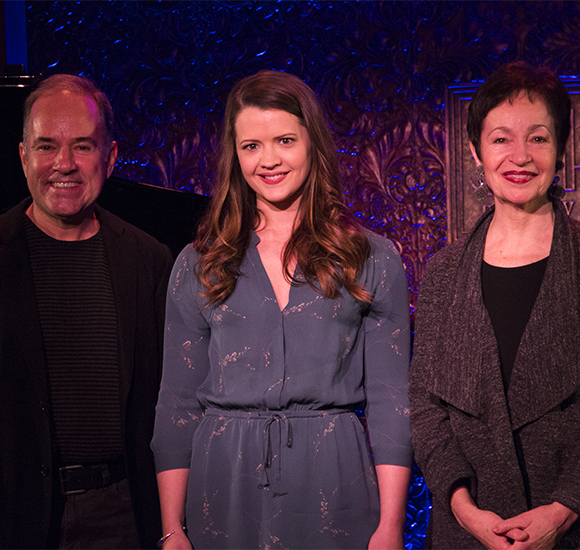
{"x":79,"y":479}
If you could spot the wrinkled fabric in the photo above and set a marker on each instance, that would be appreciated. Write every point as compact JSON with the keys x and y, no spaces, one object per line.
{"x":259,"y":404}
{"x":463,"y":421}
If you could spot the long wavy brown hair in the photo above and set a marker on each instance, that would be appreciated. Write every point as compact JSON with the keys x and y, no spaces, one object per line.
{"x":328,"y":245}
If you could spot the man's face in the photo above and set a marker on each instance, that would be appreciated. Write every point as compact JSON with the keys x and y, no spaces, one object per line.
{"x":66,"y":159}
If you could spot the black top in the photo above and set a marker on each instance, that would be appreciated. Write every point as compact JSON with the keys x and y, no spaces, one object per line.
{"x":79,"y":328}
{"x":509,"y":294}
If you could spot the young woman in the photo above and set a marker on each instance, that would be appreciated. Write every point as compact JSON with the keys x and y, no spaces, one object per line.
{"x":283,"y":319}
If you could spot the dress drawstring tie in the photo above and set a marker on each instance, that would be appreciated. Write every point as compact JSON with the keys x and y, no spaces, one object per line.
{"x":282,"y":436}
{"x":276,"y":435}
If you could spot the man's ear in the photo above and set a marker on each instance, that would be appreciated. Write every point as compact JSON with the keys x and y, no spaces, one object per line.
{"x":23,"y":159}
{"x":112,"y":158}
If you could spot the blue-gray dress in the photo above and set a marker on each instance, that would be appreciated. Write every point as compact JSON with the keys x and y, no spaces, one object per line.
{"x":259,"y":404}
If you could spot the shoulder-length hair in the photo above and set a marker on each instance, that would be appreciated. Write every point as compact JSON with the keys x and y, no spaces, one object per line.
{"x":326,"y":242}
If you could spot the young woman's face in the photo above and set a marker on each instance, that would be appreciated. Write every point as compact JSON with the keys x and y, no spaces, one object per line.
{"x":519,"y":152}
{"x":274,"y":153}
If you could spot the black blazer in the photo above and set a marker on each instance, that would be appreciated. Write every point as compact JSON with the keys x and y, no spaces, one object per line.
{"x":139,"y":267}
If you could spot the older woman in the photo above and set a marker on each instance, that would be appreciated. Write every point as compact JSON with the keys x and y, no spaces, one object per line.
{"x":494,"y":384}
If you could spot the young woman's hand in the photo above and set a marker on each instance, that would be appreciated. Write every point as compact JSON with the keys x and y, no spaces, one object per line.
{"x":393,"y":489}
{"x":177,"y":541}
{"x":385,"y":539}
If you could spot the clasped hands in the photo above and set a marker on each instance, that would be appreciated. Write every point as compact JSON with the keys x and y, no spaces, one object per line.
{"x":536,"y":529}
{"x":539,"y":528}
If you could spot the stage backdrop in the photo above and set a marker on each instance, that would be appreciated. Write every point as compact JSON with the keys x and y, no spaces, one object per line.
{"x":380,"y":70}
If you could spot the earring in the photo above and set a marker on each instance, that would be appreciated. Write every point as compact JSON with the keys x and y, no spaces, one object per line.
{"x":482,"y":190}
{"x":556,"y":192}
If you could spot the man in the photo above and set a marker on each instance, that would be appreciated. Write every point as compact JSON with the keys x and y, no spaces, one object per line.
{"x":81,"y":322}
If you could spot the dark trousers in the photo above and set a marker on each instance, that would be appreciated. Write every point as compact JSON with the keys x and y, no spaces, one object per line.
{"x":99,"y":519}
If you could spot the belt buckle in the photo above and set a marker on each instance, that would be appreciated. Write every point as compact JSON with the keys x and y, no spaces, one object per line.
{"x":61,"y":473}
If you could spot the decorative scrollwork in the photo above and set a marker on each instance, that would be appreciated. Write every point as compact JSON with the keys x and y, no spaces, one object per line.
{"x":380,"y":70}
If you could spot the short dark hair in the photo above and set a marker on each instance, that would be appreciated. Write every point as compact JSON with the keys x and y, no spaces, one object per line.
{"x":77,"y":85}
{"x":508,"y":82}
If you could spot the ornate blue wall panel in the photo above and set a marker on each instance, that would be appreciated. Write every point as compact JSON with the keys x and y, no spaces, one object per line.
{"x":379,"y":68}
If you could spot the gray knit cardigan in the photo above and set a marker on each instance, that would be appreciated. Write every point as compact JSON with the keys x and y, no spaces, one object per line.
{"x":462,"y":421}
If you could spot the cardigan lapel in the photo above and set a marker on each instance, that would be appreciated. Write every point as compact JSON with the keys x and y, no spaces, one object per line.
{"x":471,"y":378}
{"x":470,"y":340}
{"x":546,"y":367}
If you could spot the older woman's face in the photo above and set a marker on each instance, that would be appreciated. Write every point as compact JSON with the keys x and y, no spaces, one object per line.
{"x":518,"y":152}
